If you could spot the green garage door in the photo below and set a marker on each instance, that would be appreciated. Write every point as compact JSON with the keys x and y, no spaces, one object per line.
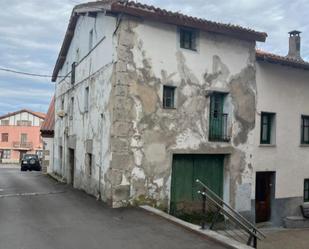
{"x":185,"y":170}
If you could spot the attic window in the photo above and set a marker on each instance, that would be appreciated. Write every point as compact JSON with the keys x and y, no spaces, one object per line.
{"x":187,"y":39}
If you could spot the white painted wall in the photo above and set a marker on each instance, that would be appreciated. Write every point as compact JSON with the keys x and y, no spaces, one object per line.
{"x":95,"y":72}
{"x":36,"y":121}
{"x":284,"y":91}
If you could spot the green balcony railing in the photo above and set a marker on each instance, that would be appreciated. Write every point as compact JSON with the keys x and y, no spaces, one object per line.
{"x":218,"y":127}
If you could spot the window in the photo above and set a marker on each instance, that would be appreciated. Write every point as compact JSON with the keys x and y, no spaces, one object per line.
{"x":62,"y":104}
{"x":73,"y":69}
{"x":86,"y":99}
{"x":168,"y":97}
{"x":5,"y":122}
{"x":306,"y":190}
{"x":90,"y":39}
{"x":23,"y":138}
{"x":4,"y":137}
{"x":60,"y":157}
{"x":88,"y":163}
{"x":188,"y":39}
{"x":305,"y":129}
{"x":24,"y":123}
{"x":218,"y":120}
{"x":71,"y":108}
{"x":267,"y":128}
{"x":6,"y":154}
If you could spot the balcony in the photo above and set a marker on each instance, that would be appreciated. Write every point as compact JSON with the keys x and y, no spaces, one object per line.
{"x":218,"y":127}
{"x":23,"y":145}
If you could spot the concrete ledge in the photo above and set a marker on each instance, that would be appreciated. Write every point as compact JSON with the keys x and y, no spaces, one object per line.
{"x":56,"y":177}
{"x":296,"y":222}
{"x":223,"y":240}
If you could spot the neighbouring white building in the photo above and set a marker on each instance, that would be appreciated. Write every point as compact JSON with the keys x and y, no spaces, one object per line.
{"x":47,"y":134}
{"x":148,"y":100}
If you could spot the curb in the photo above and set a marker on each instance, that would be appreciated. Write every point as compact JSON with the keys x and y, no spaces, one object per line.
{"x":221,"y":239}
{"x":56,"y":177}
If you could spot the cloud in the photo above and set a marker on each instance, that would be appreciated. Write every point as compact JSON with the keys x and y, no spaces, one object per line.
{"x":32,"y":31}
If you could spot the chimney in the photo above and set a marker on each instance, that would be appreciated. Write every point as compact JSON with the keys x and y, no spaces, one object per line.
{"x":294,"y":45}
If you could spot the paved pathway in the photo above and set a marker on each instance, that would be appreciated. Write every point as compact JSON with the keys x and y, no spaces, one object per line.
{"x":38,"y":213}
{"x":285,"y":239}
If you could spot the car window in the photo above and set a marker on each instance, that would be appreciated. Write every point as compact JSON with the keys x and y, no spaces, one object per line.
{"x":26,"y":157}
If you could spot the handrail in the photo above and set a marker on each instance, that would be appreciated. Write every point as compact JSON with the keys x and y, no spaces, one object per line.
{"x":248,"y":225}
{"x":231,"y":216}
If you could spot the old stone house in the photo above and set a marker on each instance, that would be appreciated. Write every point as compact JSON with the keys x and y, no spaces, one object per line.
{"x":149,"y":100}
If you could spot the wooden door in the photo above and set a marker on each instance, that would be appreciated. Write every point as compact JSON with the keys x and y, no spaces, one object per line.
{"x":263,"y":196}
{"x":185,"y":170}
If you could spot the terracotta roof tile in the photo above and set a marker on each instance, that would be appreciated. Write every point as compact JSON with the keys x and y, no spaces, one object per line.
{"x":162,"y":15}
{"x":47,"y":128}
{"x":283,"y":60}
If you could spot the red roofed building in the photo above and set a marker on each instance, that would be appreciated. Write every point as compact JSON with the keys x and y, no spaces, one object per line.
{"x":47,"y":133}
{"x":20,"y":134}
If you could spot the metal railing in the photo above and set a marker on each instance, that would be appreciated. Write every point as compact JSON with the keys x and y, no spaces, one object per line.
{"x":22,"y":145}
{"x":218,"y":128}
{"x":241,"y":226}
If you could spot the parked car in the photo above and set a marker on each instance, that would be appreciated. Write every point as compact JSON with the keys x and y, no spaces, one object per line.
{"x":30,"y":162}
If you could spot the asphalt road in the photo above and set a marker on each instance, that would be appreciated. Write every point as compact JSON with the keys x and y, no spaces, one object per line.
{"x":38,"y":213}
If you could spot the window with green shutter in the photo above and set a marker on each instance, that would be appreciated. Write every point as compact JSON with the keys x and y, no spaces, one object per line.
{"x":267,"y":128}
{"x":305,"y":129}
{"x":306,"y":190}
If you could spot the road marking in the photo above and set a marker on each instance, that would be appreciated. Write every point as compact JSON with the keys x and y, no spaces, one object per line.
{"x":32,"y":194}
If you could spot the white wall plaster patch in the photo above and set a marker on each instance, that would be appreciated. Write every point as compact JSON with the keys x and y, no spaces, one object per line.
{"x":138,"y":173}
{"x":188,"y":140}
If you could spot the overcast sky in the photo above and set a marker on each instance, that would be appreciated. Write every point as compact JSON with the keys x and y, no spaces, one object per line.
{"x":32,"y":31}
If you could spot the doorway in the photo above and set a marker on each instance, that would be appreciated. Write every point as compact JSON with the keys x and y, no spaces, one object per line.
{"x":185,"y":170}
{"x":264,"y":191}
{"x":72,"y":165}
{"x":21,"y":154}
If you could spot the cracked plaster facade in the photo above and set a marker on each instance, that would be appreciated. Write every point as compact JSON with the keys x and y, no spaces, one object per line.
{"x":132,"y":138}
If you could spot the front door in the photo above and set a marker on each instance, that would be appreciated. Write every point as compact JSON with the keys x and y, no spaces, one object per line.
{"x":72,"y":165}
{"x":263,"y":193}
{"x":185,"y":170}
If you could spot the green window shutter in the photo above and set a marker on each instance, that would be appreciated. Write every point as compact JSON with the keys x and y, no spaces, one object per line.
{"x":266,"y":127}
{"x":306,"y":190}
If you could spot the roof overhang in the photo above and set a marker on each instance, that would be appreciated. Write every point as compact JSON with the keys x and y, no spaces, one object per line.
{"x":281,"y":60}
{"x":154,"y":14}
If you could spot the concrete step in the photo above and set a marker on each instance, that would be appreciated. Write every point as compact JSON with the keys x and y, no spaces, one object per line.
{"x":295,"y":222}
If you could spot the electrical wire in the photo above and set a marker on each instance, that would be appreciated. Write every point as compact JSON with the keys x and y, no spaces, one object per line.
{"x":26,"y":73}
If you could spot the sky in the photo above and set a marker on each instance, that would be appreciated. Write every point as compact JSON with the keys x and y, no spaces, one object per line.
{"x":32,"y":31}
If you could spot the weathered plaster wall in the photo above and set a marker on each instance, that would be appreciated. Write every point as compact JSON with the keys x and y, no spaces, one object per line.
{"x":284,"y":91}
{"x":146,"y":136}
{"x":48,"y":154}
{"x":87,"y":131}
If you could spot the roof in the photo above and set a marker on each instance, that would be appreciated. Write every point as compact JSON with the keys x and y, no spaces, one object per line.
{"x":154,"y":14}
{"x":37,"y":114}
{"x":47,"y":128}
{"x":282,"y":60}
